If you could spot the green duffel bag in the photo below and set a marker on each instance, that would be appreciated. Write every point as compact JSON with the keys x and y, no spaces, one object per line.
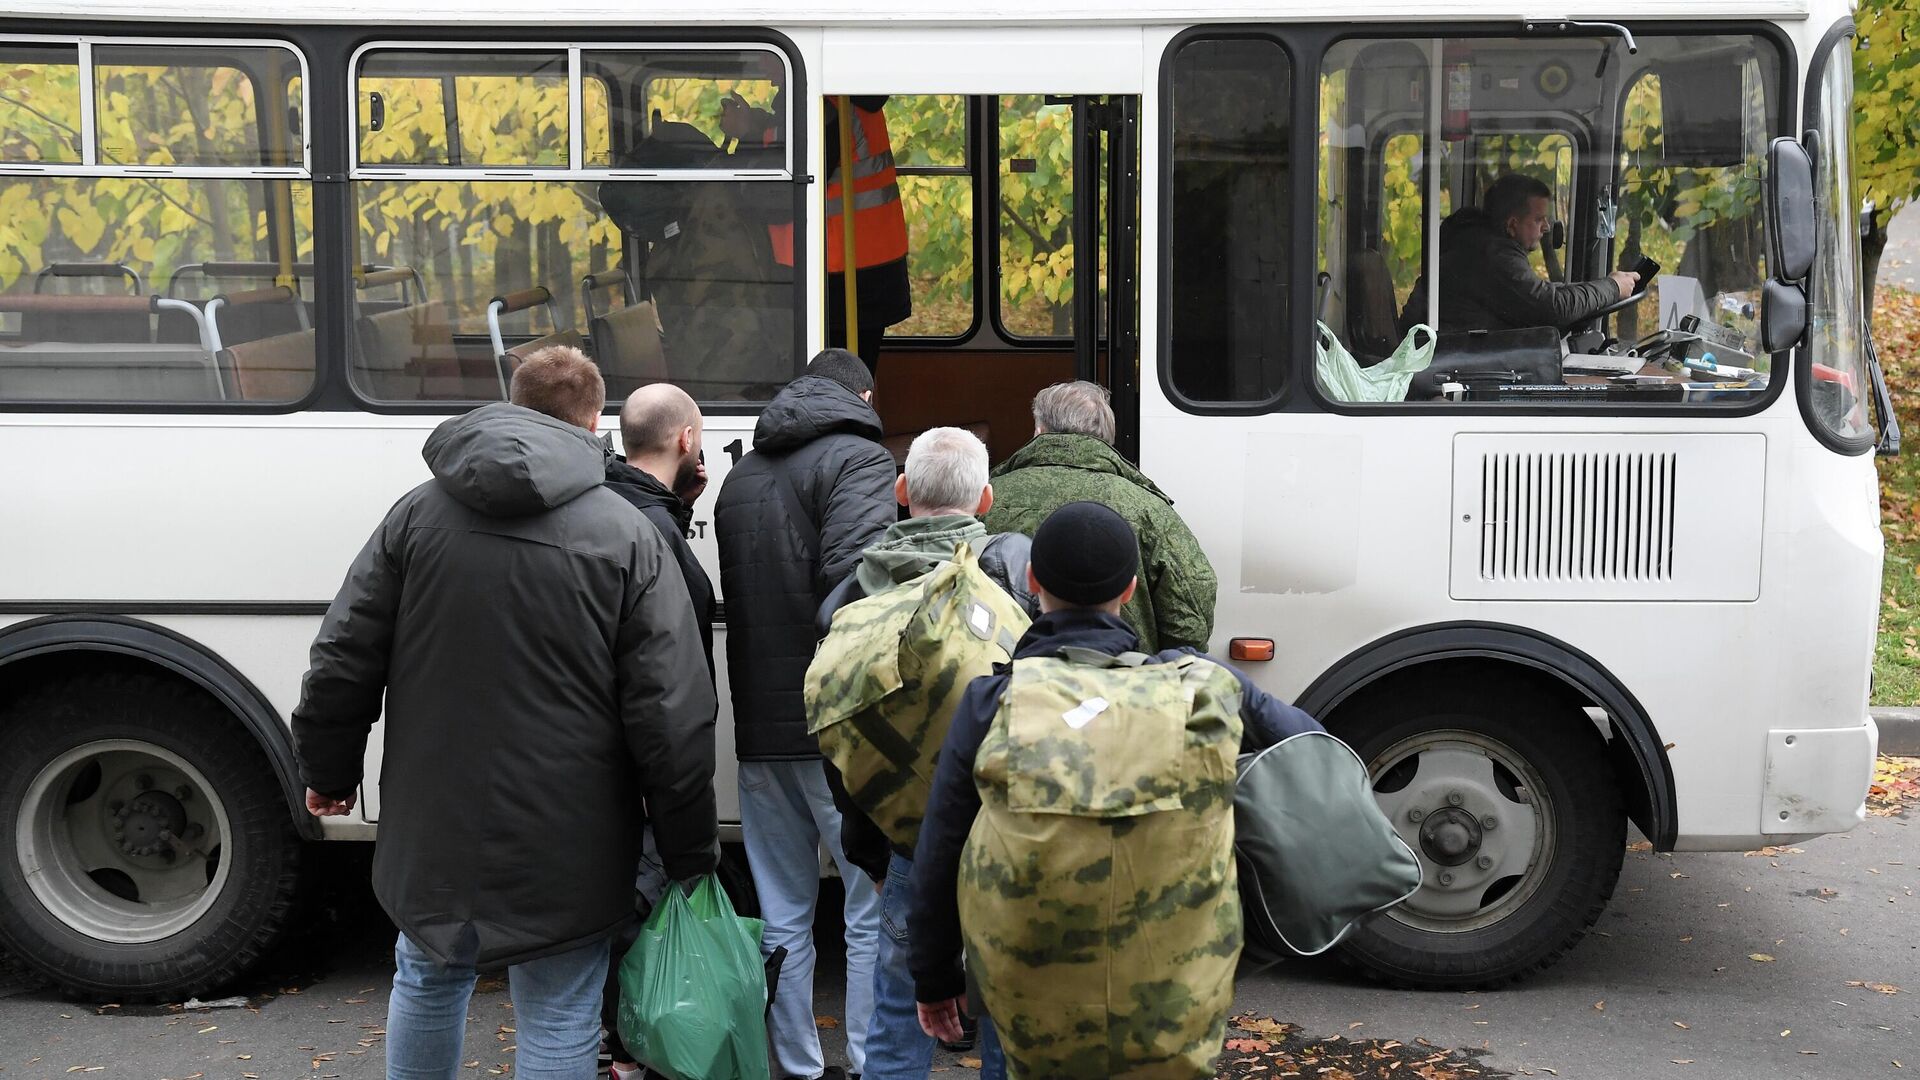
{"x":1316,"y":854}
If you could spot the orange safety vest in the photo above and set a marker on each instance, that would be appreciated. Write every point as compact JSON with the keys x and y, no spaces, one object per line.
{"x":879,"y":223}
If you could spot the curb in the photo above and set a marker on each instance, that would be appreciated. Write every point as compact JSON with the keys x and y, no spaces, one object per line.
{"x":1899,"y":730}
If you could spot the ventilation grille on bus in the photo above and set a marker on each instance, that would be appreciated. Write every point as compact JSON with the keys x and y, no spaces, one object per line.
{"x":1577,"y":517}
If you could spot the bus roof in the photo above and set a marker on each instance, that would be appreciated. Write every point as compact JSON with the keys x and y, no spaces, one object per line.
{"x":374,"y":13}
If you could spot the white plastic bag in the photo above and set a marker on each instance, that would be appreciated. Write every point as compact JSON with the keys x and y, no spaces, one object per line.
{"x":1343,"y":379}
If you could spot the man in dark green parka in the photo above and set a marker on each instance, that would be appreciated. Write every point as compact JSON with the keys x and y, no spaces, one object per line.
{"x":1072,"y":459}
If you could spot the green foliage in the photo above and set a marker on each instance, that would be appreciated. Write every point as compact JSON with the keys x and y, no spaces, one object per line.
{"x":1035,"y":213}
{"x":1886,"y":133}
{"x":148,"y":115}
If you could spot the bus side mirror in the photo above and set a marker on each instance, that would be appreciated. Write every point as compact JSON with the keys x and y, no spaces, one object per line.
{"x":1791,"y":240}
{"x":1790,"y":217}
{"x":1783,"y":316}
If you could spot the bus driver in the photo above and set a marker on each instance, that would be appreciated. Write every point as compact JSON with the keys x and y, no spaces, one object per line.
{"x":1487,"y":282}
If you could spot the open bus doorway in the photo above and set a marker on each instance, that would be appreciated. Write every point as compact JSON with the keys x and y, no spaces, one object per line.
{"x":1000,"y":195}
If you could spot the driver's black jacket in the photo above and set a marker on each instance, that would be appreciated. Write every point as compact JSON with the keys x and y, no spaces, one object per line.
{"x":1486,"y":283}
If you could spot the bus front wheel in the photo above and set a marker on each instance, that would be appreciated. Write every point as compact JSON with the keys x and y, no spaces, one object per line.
{"x":146,"y":850}
{"x":1507,"y":800}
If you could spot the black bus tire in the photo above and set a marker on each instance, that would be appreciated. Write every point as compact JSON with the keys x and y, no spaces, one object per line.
{"x":102,"y":771}
{"x":1526,"y":921}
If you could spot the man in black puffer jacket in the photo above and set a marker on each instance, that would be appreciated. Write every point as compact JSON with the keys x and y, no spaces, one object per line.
{"x":531,"y":637}
{"x":792,"y":519}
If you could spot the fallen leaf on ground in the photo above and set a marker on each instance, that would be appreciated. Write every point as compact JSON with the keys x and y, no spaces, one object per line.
{"x":1681,"y":1026}
{"x":1878,"y":988}
{"x":825,"y":1022}
{"x":1760,"y":958}
{"x":970,"y":1063}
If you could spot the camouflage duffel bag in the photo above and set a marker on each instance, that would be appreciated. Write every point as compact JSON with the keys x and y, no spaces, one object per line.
{"x":883,"y":685}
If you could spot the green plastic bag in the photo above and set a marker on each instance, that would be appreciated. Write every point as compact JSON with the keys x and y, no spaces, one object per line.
{"x":1343,"y":379}
{"x":693,"y":991}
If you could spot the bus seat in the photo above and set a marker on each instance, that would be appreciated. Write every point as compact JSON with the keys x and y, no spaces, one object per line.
{"x":84,"y":318}
{"x":408,"y":353}
{"x":240,"y":317}
{"x":1372,"y":332}
{"x":897,"y":444}
{"x":278,"y":368}
{"x":626,"y":342}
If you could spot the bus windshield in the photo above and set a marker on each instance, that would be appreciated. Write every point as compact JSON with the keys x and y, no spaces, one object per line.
{"x":1531,"y":176}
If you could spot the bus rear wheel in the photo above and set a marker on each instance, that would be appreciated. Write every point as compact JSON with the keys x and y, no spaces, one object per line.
{"x":1519,"y":827}
{"x":146,"y":850}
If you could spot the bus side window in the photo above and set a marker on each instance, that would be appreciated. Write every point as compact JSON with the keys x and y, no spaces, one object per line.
{"x":152,"y":277}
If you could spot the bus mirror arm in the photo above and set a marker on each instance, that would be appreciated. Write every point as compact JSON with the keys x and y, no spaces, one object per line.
{"x":1560,"y":24}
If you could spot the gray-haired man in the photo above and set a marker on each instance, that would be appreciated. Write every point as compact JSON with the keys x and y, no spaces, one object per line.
{"x":944,"y":488}
{"x":1072,"y":459}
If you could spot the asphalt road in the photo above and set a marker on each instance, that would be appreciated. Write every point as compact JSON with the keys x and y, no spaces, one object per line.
{"x":1673,"y":950}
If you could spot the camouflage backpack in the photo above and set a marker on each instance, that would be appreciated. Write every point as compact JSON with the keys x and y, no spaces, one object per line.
{"x":1098,"y":895}
{"x":883,"y":685}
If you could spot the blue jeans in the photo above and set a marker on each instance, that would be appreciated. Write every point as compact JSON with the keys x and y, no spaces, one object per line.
{"x":556,"y":1008}
{"x":897,"y":1049}
{"x":786,"y":813}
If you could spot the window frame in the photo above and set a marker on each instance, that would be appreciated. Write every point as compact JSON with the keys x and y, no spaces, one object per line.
{"x":1301,"y":207}
{"x":342,"y":392}
{"x":1840,"y":39}
{"x":1786,"y":93}
{"x":970,"y":168}
{"x":988,"y":183}
{"x":1306,"y":45}
{"x":576,"y":167}
{"x":89,"y":164}
{"x":89,"y":167}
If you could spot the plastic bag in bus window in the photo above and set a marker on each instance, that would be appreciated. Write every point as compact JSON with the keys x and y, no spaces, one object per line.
{"x":1343,"y":379}
{"x":693,"y":991}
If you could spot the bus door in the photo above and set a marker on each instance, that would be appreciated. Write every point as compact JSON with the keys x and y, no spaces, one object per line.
{"x":1001,"y":194}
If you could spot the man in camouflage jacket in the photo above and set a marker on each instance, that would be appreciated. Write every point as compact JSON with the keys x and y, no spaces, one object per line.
{"x":1083,"y":552}
{"x":1072,"y":458}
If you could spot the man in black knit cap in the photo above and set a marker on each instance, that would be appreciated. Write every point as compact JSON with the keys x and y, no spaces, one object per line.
{"x":1076,"y":784}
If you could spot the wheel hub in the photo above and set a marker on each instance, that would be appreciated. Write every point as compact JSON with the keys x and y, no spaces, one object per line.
{"x":148,"y":823}
{"x":1450,"y":836}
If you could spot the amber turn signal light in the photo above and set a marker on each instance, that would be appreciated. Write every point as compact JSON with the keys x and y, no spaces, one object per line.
{"x":1250,"y":649}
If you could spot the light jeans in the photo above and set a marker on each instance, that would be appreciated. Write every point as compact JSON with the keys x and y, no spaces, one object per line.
{"x":897,"y":1049}
{"x":786,"y":813}
{"x":556,"y":1009}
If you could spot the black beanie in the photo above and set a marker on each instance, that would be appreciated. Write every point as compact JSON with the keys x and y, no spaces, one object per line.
{"x":1085,"y":554}
{"x":842,"y":367}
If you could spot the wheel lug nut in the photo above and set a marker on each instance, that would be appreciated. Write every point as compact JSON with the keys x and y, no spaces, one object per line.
{"x":143,"y":782}
{"x":1455,"y":799}
{"x":1484,"y":862}
{"x":183,"y":793}
{"x":1446,"y":879}
{"x":1416,"y":814}
{"x":1489,"y":822}
{"x":117,"y":806}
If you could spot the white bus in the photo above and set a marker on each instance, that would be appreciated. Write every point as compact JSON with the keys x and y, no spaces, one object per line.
{"x":1563,"y":578}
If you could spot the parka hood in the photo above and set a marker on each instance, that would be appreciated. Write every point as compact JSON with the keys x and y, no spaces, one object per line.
{"x":809,"y":407}
{"x":503,"y":460}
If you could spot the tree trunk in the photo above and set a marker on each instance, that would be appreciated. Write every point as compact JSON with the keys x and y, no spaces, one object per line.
{"x":1872,"y":246}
